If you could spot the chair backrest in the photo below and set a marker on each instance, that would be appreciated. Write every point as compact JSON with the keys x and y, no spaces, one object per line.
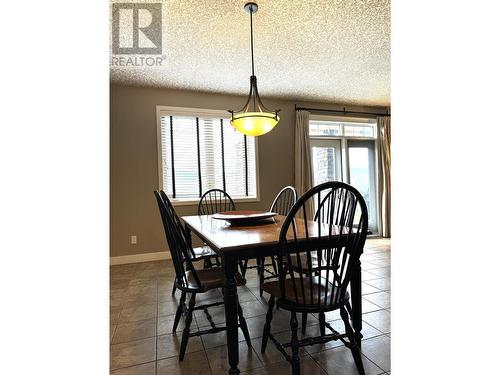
{"x":178,"y":242}
{"x":214,"y":201}
{"x":336,"y":235}
{"x":284,"y":201}
{"x":329,"y":208}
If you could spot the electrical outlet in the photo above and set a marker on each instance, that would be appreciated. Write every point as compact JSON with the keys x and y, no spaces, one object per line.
{"x":133,"y":240}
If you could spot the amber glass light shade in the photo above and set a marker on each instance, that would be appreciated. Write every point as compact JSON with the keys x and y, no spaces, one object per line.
{"x":254,"y":123}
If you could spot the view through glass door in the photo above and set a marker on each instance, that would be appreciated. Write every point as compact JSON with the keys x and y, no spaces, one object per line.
{"x":327,"y":160}
{"x":361,"y":175}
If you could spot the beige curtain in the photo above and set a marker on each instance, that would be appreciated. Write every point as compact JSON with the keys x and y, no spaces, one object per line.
{"x":384,"y":175}
{"x":303,"y":177}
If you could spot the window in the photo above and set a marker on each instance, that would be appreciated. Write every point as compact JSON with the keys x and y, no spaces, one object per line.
{"x":324,"y":128}
{"x":199,"y":150}
{"x":344,"y":150}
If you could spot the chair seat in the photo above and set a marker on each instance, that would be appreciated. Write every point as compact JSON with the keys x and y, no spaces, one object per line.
{"x":211,"y":278}
{"x":273,"y":288}
{"x":203,"y":252}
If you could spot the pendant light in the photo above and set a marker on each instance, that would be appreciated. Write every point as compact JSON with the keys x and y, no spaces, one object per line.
{"x":253,"y":119}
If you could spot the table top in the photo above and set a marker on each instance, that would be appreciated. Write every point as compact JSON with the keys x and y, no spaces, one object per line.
{"x":222,"y":236}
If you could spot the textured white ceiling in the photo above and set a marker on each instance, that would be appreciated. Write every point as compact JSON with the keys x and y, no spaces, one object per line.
{"x":321,"y":50}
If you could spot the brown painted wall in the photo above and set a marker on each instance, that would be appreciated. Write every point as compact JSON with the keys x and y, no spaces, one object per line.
{"x":134,"y":160}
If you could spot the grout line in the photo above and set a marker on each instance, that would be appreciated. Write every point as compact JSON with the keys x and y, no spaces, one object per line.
{"x":368,"y":312}
{"x":369,"y":360}
{"x":134,"y":340}
{"x":123,"y":342}
{"x":137,"y":364}
{"x":309,"y":356}
{"x":384,"y":308}
{"x":206,"y":357}
{"x":376,"y":329}
{"x":258,"y":359}
{"x":319,"y":364}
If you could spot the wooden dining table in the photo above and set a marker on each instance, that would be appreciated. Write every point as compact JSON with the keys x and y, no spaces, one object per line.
{"x":235,"y":243}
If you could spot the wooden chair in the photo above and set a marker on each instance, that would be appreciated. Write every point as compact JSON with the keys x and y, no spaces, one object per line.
{"x":324,"y":288}
{"x":202,"y":253}
{"x":190,"y":280}
{"x":323,"y":215}
{"x":282,"y":204}
{"x":214,"y":201}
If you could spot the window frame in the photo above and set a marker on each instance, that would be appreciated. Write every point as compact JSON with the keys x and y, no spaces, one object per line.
{"x":161,"y":111}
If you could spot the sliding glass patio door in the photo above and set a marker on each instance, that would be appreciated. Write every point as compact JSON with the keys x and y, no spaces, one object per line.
{"x":348,"y":160}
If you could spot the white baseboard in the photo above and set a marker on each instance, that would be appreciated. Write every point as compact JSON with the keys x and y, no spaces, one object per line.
{"x":138,"y":258}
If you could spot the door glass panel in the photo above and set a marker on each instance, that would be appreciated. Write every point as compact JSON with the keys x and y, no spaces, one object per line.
{"x":326,"y":160}
{"x":362,"y":176}
{"x":324,"y":164}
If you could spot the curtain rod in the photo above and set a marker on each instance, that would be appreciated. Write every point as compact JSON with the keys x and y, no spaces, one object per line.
{"x":341,"y":111}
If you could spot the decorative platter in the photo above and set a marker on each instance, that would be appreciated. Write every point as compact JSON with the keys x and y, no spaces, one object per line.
{"x":244,"y":217}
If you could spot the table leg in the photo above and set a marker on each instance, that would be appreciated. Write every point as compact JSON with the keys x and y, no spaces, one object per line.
{"x":229,"y":265}
{"x":356,"y":303}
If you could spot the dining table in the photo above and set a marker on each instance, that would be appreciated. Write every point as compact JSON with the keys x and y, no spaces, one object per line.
{"x":236,"y":242}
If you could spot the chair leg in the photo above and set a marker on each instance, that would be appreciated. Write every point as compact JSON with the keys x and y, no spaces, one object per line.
{"x":243,"y":325}
{"x":267,"y":326}
{"x":185,"y":333}
{"x":322,"y":324}
{"x":349,"y":309}
{"x":304,"y":322}
{"x":353,"y":345}
{"x":243,"y":267}
{"x":273,"y":263}
{"x":260,"y":271}
{"x":295,"y":344}
{"x":173,"y":288}
{"x":178,"y":313}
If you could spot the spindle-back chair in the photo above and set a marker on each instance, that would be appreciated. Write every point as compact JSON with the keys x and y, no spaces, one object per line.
{"x":337,"y":237}
{"x":190,"y":280}
{"x":204,"y":253}
{"x":214,"y":201}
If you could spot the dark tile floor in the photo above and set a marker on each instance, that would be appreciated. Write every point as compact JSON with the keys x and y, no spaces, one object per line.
{"x":141,"y":318}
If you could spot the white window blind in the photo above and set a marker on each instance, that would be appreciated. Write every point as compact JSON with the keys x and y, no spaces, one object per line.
{"x":202,"y":153}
